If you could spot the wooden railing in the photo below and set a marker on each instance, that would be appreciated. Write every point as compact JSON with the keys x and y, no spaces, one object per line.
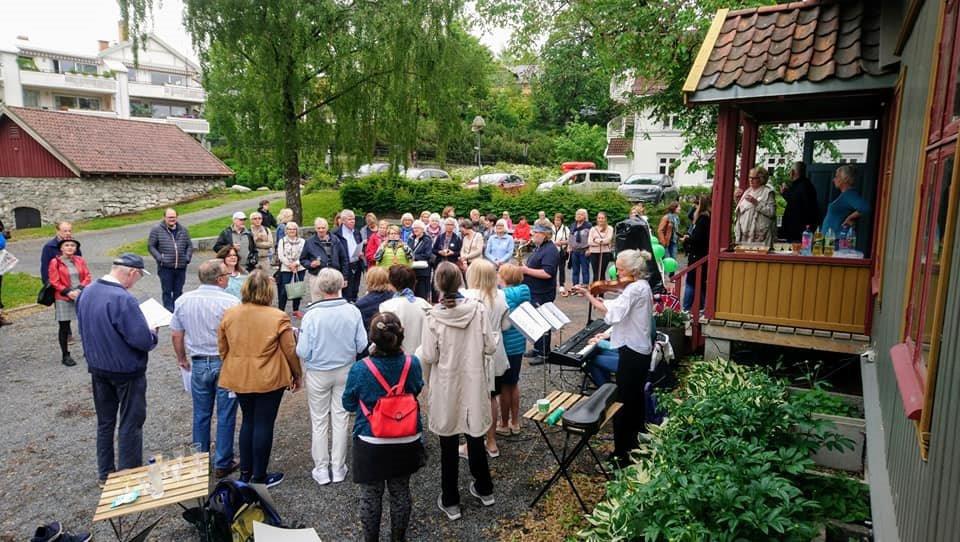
{"x":698,"y":268}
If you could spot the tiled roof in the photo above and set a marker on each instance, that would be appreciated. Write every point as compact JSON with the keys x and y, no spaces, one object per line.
{"x":644,"y":87}
{"x":813,"y":40}
{"x":619,"y":146}
{"x":98,"y":145}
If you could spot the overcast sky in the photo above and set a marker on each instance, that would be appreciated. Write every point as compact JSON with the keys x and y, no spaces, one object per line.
{"x":76,"y":25}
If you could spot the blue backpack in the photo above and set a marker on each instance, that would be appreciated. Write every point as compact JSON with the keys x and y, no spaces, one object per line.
{"x":233,"y":507}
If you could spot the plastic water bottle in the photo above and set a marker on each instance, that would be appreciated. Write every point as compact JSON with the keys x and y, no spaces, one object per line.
{"x":554,"y":416}
{"x":852,"y":239}
{"x":806,"y":242}
{"x":156,"y":478}
{"x":843,"y":243}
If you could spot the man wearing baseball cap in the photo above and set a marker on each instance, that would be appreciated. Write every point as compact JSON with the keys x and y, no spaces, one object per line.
{"x":238,"y":235}
{"x":540,"y":274}
{"x":116,"y":340}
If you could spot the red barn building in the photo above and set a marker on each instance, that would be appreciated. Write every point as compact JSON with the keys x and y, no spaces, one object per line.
{"x":68,"y":166}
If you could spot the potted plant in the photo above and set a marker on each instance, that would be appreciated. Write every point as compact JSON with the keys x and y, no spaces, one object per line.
{"x":674,"y":324}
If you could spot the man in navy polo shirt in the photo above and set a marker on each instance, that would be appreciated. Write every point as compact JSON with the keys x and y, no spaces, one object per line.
{"x":116,"y":340}
{"x":540,"y":275}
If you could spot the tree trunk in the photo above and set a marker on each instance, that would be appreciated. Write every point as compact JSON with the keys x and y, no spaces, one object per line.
{"x":290,"y":156}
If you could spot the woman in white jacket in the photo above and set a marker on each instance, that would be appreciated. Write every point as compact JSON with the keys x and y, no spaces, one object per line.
{"x":482,"y":284}
{"x":457,"y":339}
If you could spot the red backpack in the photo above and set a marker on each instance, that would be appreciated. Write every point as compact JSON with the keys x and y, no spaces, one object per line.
{"x":396,"y":413}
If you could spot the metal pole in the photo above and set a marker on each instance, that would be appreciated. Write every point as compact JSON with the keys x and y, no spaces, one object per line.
{"x":479,"y":163}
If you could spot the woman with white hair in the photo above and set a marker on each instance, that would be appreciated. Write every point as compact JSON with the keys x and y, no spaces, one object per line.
{"x":288,"y":252}
{"x":434,"y":227}
{"x":447,"y":245}
{"x":756,"y":212}
{"x":406,"y":226}
{"x":629,"y":317}
{"x":331,"y":337}
{"x":500,"y":245}
{"x":264,"y":241}
{"x":283,"y":217}
{"x":422,"y":247}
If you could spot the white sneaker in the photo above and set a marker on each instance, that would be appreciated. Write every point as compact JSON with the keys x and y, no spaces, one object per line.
{"x":487,"y":500}
{"x":340,"y":475}
{"x":322,"y":477}
{"x":452,"y":512}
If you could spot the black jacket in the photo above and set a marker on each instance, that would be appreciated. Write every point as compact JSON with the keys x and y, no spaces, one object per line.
{"x":802,"y":209}
{"x":268,"y":219}
{"x":170,"y":248}
{"x":697,"y":244}
{"x":455,"y":245}
{"x":344,"y":256}
{"x":327,"y":251}
{"x":422,"y":251}
{"x":226,"y":239}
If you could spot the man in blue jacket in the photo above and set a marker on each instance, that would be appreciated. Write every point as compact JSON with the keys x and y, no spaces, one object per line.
{"x":320,"y":251}
{"x":169,"y":244}
{"x":351,"y":249}
{"x":116,"y":340}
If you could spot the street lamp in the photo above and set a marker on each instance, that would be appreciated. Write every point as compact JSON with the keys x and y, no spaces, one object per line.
{"x":477,"y":127}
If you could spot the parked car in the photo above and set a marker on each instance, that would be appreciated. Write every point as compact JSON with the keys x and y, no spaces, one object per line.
{"x":427,"y":174}
{"x":649,"y":188}
{"x":584,"y":180}
{"x":505,"y":181}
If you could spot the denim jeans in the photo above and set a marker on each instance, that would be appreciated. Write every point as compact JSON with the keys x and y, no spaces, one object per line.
{"x":256,"y":431}
{"x":580,"y":268}
{"x":603,"y":365}
{"x":171,"y":284}
{"x":204,"y":389}
{"x":126,"y":398}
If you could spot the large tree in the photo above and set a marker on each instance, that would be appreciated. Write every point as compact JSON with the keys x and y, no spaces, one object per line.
{"x":290,"y":78}
{"x":654,"y":39}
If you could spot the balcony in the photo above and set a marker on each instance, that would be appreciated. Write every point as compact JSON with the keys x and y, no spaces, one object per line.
{"x":169,"y":92}
{"x":68,"y":81}
{"x":188,"y":125}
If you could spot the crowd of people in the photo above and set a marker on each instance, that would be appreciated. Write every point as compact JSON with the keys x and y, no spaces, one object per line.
{"x":432,"y":323}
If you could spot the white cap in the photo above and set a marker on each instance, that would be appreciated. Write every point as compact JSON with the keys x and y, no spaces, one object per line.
{"x":240,"y":215}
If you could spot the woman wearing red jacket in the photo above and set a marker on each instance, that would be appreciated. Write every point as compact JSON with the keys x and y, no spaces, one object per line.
{"x":68,"y":276}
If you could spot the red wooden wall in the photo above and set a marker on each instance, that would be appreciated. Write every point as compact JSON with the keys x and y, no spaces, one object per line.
{"x":22,"y":156}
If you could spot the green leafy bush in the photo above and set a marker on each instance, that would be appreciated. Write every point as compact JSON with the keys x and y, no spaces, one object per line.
{"x":253,"y":177}
{"x":731,"y":463}
{"x":320,"y":180}
{"x":385,"y":194}
{"x":533,"y":175}
{"x":819,"y":400}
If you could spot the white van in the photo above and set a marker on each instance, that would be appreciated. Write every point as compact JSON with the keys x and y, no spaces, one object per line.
{"x":585,"y":180}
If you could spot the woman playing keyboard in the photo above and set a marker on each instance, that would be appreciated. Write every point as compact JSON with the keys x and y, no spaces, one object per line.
{"x":629,"y":314}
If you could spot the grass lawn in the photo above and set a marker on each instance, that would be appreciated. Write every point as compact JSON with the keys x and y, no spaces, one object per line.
{"x":324,"y":203}
{"x":20,"y":289}
{"x":213,"y":199}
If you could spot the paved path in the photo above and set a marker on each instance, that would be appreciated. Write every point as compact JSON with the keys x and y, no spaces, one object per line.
{"x":97,"y":245}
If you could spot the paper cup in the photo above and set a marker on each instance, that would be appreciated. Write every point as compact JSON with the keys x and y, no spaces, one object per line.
{"x":543,"y":405}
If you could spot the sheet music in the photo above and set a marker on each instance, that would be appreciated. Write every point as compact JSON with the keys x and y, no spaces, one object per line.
{"x":553,"y":315}
{"x":267,"y":533}
{"x":156,"y":315}
{"x":529,"y":321}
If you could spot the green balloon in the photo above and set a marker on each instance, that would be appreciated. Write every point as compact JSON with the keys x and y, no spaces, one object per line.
{"x":659,"y":251}
{"x":612,"y":271}
{"x":654,"y":240}
{"x":669,"y":265}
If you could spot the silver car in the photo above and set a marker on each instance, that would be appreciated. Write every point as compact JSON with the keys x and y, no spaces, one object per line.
{"x":649,"y":188}
{"x":427,"y":174}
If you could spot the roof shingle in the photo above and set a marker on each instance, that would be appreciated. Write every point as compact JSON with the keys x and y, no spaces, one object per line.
{"x":619,"y":146}
{"x":98,"y":145}
{"x":813,"y":40}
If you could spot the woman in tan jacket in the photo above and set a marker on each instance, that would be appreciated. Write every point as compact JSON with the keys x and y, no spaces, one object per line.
{"x":457,"y":337}
{"x":472,"y":247}
{"x":260,"y":360}
{"x":601,"y":246}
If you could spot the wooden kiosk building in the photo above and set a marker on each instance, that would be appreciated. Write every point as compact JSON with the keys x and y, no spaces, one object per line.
{"x":893,"y":63}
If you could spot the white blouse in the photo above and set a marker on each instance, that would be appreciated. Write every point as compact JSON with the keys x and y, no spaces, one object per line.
{"x":629,"y":315}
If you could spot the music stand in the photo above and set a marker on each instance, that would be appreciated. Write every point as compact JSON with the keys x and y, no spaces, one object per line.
{"x":535,"y":322}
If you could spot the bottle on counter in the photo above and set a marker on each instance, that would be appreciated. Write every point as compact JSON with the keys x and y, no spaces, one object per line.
{"x":155,"y":476}
{"x":852,"y":239}
{"x":828,"y":241}
{"x":806,"y":242}
{"x":818,"y":242}
{"x":842,"y":243}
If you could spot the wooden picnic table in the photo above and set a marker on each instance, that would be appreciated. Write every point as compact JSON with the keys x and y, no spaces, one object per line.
{"x":194,"y":483}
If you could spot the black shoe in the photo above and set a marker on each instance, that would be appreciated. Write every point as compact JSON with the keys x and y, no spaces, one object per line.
{"x":68,"y":361}
{"x":274,"y":479}
{"x":245,"y":477}
{"x":78,"y":537}
{"x":48,"y":532}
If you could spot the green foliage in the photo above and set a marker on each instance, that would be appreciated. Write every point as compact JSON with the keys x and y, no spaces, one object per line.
{"x":581,"y":142}
{"x":255,"y":175}
{"x":27,"y":63}
{"x":819,"y":400}
{"x":532,"y":175}
{"x":20,"y":289}
{"x":692,"y":192}
{"x":320,"y":180}
{"x":731,"y":463}
{"x":671,"y":318}
{"x":387,"y":195}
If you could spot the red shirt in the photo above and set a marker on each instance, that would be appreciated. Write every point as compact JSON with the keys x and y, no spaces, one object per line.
{"x":522,"y":231}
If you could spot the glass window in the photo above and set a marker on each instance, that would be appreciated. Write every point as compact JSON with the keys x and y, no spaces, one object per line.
{"x":31,"y":98}
{"x":65,"y":102}
{"x":140,"y":109}
{"x":92,"y":104}
{"x":160,"y":111}
{"x":178,"y":111}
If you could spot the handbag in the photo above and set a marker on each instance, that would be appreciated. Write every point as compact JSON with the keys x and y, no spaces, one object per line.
{"x":45,"y":295}
{"x":295,"y":289}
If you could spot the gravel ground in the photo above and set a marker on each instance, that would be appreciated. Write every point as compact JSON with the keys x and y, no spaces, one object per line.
{"x":48,"y":442}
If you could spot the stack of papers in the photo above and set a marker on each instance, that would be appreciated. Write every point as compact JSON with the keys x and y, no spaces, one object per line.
{"x":533,"y":322}
{"x":155,"y":313}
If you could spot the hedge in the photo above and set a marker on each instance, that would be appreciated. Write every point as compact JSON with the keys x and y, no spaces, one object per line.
{"x":390,"y":195}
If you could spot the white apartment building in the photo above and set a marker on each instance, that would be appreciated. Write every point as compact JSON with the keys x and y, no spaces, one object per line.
{"x":640,"y":143}
{"x":163,"y":87}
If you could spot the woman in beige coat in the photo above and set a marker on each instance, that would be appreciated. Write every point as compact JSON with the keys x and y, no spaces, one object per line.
{"x":457,"y":337}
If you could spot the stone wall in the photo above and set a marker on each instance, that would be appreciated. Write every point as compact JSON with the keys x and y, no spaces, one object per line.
{"x":91,"y":197}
